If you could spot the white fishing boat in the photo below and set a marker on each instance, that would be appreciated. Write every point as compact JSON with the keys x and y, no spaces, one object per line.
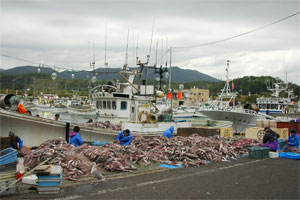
{"x":276,"y":104}
{"x":81,"y":107}
{"x":40,"y":103}
{"x":133,"y":106}
{"x":117,"y":102}
{"x":224,"y":108}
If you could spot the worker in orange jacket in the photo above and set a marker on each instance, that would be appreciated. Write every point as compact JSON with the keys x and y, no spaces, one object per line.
{"x":21,"y":109}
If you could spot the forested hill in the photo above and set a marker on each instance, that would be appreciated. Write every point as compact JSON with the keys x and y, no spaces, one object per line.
{"x":177,"y":74}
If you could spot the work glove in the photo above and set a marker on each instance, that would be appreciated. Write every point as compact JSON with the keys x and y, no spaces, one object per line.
{"x":119,"y":142}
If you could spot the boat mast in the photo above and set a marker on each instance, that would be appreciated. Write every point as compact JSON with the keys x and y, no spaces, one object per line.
{"x":126,"y":54}
{"x":105,"y":48}
{"x":227,"y":78}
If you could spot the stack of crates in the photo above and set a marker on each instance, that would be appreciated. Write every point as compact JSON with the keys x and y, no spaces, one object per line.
{"x":49,"y":180}
{"x":258,"y":152}
{"x":6,"y":179}
{"x":8,"y":163}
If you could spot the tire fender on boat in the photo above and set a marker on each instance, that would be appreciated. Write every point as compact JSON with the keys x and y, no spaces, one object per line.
{"x":152,"y":118}
{"x":286,"y":110}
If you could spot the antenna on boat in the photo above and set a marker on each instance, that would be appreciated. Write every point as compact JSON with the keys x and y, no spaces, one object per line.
{"x":133,"y":64}
{"x":167,"y":52}
{"x":156,"y":50}
{"x":94,"y":55}
{"x":137,"y":50}
{"x":92,"y":64}
{"x":170,"y":69}
{"x":227,"y":78}
{"x":148,"y":56}
{"x":105,"y":48}
{"x":162,"y":51}
{"x":126,"y":54}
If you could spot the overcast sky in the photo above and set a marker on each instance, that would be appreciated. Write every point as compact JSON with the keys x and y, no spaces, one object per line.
{"x":57,"y":32}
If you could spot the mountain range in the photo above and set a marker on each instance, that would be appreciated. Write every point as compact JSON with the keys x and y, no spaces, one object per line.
{"x":177,"y":74}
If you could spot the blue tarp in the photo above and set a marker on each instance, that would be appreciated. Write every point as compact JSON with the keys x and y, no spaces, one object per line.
{"x":170,"y":166}
{"x":98,"y":143}
{"x":290,"y":155}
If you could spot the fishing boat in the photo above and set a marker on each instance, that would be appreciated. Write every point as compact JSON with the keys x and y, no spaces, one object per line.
{"x":224,"y":108}
{"x":276,"y":104}
{"x":81,"y":106}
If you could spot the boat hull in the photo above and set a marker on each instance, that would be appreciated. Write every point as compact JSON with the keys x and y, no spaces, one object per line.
{"x":240,"y":121}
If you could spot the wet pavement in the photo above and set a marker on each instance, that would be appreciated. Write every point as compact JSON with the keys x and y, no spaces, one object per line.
{"x":240,"y":179}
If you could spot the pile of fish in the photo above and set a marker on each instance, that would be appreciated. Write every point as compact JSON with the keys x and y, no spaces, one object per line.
{"x":103,"y":125}
{"x":188,"y":151}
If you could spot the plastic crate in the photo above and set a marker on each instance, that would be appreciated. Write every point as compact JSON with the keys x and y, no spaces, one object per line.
{"x":8,"y":155}
{"x":10,"y":190}
{"x":8,"y":167}
{"x":258,"y":152}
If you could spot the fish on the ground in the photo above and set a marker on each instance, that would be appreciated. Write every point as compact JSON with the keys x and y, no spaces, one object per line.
{"x":188,"y":151}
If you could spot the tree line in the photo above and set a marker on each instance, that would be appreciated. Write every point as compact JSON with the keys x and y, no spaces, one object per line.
{"x":248,"y":87}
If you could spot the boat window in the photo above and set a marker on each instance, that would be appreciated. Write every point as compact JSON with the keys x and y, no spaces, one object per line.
{"x":100,"y":104}
{"x":108,"y":104}
{"x":273,"y":106}
{"x":114,"y":105}
{"x":123,"y":105}
{"x":104,"y":104}
{"x":132,"y":109}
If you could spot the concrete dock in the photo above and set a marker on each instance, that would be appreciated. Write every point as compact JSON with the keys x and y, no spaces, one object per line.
{"x":243,"y":178}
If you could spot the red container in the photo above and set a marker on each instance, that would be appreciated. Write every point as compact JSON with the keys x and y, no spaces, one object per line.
{"x":19,"y":176}
{"x":289,"y":125}
{"x":179,"y":95}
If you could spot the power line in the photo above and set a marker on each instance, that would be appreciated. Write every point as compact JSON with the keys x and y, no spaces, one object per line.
{"x":19,"y":59}
{"x":36,"y":63}
{"x":218,"y":41}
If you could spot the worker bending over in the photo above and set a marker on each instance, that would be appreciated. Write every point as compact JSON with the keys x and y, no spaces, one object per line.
{"x":125,"y":137}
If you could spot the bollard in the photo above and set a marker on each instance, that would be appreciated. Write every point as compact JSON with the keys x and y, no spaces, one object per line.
{"x":67,"y":131}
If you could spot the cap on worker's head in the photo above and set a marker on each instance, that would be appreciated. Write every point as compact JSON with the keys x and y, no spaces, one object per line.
{"x":11,"y":133}
{"x":266,"y":128}
{"x":56,"y":115}
{"x":292,"y":131}
{"x":127,"y":131}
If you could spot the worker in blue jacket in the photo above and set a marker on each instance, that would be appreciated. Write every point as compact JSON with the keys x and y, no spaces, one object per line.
{"x":15,"y":141}
{"x":75,"y":137}
{"x":292,"y":142}
{"x":169,"y":132}
{"x":125,"y":137}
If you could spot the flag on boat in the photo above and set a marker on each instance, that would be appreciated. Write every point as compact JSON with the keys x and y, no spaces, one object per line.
{"x":232,"y":85}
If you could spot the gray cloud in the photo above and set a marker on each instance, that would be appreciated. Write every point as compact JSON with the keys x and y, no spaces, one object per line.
{"x":57,"y":32}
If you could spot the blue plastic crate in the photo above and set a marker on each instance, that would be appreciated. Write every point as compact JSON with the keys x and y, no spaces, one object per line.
{"x":8,"y":155}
